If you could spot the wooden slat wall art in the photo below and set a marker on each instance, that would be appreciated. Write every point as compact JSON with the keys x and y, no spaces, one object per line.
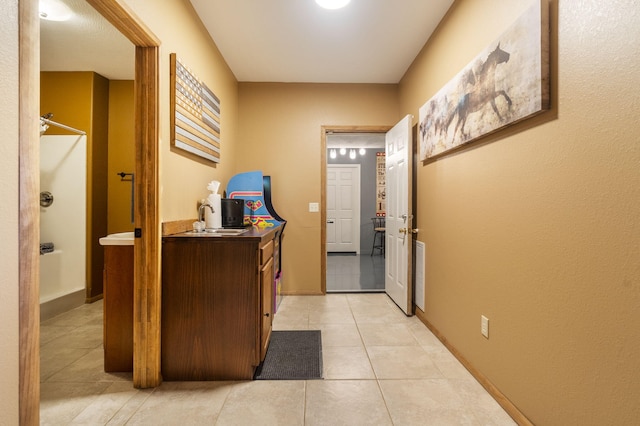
{"x":195,"y":113}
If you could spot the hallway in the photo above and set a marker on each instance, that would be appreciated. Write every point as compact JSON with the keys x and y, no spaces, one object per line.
{"x":380,"y":368}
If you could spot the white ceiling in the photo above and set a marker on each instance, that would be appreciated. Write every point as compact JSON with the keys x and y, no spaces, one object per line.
{"x":86,"y":42}
{"x":369,"y":41}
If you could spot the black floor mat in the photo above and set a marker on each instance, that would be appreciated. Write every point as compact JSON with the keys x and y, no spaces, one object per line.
{"x":292,"y":355}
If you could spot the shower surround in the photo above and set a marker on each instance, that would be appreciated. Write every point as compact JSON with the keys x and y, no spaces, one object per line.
{"x":63,"y":173}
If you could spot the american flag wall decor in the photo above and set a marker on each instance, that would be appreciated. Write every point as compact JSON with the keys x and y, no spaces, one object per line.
{"x":195,"y":113}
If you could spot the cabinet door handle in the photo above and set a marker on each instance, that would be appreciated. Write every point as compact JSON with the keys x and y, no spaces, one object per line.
{"x":330,"y":221}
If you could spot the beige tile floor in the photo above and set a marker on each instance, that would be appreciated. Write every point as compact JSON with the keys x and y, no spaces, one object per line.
{"x":380,"y":368}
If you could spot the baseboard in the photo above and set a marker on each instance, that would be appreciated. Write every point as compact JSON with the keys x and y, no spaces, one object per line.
{"x":293,"y":293}
{"x":94,"y":298}
{"x":62,"y":304}
{"x":500,"y":398}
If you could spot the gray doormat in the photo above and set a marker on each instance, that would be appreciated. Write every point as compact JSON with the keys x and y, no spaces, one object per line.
{"x":292,"y":355}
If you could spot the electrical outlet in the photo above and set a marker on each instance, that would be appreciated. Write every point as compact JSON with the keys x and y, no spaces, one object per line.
{"x":484,"y":326}
{"x":314,"y":207}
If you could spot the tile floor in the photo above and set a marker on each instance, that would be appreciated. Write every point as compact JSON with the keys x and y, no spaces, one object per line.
{"x":355,"y":272}
{"x":380,"y":368}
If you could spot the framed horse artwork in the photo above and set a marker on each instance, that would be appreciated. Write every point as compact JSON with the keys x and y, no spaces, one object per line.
{"x":506,"y":83}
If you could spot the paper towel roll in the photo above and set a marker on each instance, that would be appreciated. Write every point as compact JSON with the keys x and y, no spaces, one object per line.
{"x":214,"y":220}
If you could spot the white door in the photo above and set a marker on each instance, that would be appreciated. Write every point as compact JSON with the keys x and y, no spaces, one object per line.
{"x":399,"y":233}
{"x":343,"y":208}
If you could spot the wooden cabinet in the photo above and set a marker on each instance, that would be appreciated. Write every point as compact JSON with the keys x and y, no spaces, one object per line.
{"x":216,"y":305}
{"x":118,"y":308}
{"x":266,"y":284}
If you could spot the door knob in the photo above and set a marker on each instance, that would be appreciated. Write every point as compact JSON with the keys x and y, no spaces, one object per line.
{"x":402,"y":230}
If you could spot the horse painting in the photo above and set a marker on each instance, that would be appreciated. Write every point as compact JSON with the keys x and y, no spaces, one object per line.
{"x":483,"y":91}
{"x":505,"y":83}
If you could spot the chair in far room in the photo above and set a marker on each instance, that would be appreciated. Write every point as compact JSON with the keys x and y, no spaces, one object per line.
{"x":378,"y":234}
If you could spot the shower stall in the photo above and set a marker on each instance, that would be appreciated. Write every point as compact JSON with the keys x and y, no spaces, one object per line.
{"x":63,"y":216}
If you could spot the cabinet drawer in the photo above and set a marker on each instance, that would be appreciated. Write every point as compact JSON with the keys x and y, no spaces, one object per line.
{"x":266,"y":252}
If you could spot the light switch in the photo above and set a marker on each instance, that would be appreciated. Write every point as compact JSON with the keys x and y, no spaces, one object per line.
{"x":314,"y":207}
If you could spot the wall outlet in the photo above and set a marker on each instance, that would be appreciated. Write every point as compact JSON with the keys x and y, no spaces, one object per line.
{"x":484,"y":326}
{"x":314,"y":207}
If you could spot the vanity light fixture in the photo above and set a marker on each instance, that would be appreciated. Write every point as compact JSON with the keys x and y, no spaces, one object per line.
{"x":343,"y":151}
{"x":332,"y":4}
{"x":362,"y":151}
{"x":352,"y":154}
{"x":332,"y":153}
{"x":54,"y":10}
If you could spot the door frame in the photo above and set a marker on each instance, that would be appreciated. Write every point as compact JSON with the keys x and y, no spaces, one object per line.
{"x":356,"y":219}
{"x":324,"y":130}
{"x":147,"y":246}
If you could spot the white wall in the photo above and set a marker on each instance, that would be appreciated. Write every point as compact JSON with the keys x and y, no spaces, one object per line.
{"x":9,"y":214}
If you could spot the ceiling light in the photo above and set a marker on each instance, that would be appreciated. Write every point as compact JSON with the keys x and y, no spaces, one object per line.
{"x":333,"y":4}
{"x":362,"y":151}
{"x":54,"y":10}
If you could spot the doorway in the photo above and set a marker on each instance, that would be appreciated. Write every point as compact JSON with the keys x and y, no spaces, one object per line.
{"x":343,"y":208}
{"x":351,"y":150}
{"x":146,"y":278}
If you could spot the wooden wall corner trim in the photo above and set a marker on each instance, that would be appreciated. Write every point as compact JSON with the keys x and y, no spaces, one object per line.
{"x":126,"y":21}
{"x":147,"y":287}
{"x":29,"y":215}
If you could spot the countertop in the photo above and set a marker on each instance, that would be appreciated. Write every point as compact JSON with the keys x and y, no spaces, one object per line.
{"x":252,"y":233}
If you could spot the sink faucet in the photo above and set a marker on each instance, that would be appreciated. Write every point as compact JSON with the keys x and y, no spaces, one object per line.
{"x":201,"y":210}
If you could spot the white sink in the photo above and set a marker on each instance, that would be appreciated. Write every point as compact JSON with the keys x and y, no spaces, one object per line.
{"x":220,"y":231}
{"x":119,"y":239}
{"x":228,"y":231}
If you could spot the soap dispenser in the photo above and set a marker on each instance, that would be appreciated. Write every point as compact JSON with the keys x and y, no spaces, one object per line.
{"x":213,"y":220}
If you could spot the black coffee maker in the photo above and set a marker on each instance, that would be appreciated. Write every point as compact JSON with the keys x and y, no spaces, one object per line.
{"x":232,"y":213}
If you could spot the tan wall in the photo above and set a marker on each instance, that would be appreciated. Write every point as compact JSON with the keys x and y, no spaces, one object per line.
{"x":280,"y":135}
{"x":9,"y":214}
{"x":81,"y":100}
{"x":121,"y":155}
{"x":183,"y":177}
{"x":538,"y":228}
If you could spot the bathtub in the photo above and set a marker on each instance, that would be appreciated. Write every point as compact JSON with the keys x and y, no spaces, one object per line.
{"x":62,"y":285}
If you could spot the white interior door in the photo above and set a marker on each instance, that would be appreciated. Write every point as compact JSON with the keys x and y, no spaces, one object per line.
{"x":399,"y":233}
{"x":343,"y":208}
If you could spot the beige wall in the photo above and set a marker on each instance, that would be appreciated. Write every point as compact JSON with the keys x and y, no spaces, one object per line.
{"x":280,"y":135}
{"x":9,"y":214}
{"x":183,"y":177}
{"x":538,"y":229}
{"x":121,"y":155}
